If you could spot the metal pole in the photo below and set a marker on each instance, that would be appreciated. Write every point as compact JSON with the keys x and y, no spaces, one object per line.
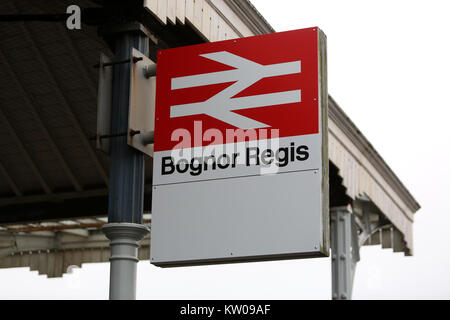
{"x":343,"y":260}
{"x":126,"y":189}
{"x":124,"y":258}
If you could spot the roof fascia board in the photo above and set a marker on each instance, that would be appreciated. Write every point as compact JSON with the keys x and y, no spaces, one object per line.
{"x":250,"y":16}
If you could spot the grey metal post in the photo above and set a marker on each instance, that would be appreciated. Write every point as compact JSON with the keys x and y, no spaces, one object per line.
{"x":126,"y":188}
{"x":343,"y":255}
{"x":124,"y":258}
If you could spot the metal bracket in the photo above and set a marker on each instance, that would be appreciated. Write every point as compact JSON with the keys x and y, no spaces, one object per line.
{"x":150,"y":71}
{"x":50,"y":17}
{"x":140,"y":134}
{"x":114,"y":135}
{"x":142,"y":103}
{"x":112,"y":63}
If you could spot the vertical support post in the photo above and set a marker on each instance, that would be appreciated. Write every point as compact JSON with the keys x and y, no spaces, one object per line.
{"x":124,"y":258}
{"x":344,"y":255}
{"x":126,"y":188}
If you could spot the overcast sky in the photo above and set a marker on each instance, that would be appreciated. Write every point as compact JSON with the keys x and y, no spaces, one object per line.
{"x":388,"y":64}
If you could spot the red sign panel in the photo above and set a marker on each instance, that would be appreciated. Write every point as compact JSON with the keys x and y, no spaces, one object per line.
{"x":268,"y":81}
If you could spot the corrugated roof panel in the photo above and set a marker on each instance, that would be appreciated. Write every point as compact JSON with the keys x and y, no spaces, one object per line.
{"x":5,"y":86}
{"x":10,"y":37}
{"x":19,"y":168}
{"x":48,"y":100}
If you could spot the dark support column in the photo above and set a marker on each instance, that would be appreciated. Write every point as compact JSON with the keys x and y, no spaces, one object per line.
{"x":126,"y":188}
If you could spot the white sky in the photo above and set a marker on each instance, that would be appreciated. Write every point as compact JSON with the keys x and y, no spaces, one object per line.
{"x":388,"y":64}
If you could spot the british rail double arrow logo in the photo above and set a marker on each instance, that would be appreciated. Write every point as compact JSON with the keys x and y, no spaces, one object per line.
{"x":245,"y":74}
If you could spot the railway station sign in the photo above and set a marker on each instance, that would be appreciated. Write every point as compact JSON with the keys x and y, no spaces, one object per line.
{"x":240,"y":164}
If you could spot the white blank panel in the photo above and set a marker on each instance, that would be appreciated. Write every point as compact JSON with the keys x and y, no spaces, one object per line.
{"x":269,"y":215}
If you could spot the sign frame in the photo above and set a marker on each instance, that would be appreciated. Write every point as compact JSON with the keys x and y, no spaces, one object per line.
{"x":160,"y":239}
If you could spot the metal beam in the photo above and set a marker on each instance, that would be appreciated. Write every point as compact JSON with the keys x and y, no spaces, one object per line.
{"x":10,"y":181}
{"x":20,"y":243}
{"x":48,"y":136}
{"x":25,"y":153}
{"x":366,"y":210}
{"x":77,"y":232}
{"x":67,"y":205}
{"x":56,"y":196}
{"x":80,"y":226}
{"x":63,"y":228}
{"x":48,"y":211}
{"x":53,"y":197}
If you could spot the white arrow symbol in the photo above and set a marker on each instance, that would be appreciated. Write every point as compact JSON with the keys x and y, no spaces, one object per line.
{"x":246,"y":74}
